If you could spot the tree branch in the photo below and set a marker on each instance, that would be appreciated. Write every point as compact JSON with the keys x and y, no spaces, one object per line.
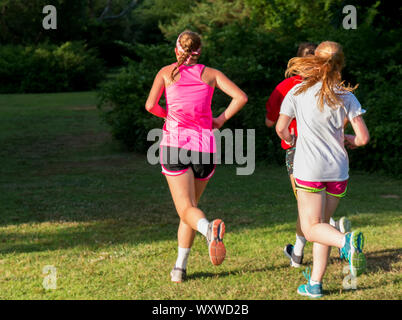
{"x":104,"y":16}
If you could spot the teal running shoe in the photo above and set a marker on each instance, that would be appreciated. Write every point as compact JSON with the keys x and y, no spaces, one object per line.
{"x":352,"y":252}
{"x":344,"y":225}
{"x":344,"y":252}
{"x":311,"y":291}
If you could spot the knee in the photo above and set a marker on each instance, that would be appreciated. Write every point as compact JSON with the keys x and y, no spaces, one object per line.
{"x":308,"y":236}
{"x":184,"y":210}
{"x":307,"y":231}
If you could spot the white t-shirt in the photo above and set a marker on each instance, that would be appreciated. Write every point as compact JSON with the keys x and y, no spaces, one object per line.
{"x":320,"y":152}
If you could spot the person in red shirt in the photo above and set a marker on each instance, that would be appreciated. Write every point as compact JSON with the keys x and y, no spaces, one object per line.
{"x":273,"y":106}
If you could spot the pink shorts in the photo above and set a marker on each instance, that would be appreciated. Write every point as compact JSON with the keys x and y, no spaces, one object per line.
{"x":333,"y":188}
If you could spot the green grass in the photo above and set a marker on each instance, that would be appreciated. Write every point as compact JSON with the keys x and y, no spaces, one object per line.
{"x":71,"y":198}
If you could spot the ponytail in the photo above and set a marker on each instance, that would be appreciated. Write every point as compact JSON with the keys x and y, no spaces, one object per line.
{"x":182,"y":59}
{"x":325,"y":66}
{"x":189,"y":46}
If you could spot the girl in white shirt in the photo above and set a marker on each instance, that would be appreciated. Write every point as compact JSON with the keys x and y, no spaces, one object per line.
{"x":320,"y":105}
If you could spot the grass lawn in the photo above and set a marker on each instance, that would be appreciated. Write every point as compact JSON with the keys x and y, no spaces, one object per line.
{"x":71,"y":198}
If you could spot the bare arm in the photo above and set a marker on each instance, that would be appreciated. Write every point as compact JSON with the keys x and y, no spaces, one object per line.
{"x":282,"y":129}
{"x":362,"y":136}
{"x":269,"y":123}
{"x":152,"y":104}
{"x":345,"y":122}
{"x":239,"y":98}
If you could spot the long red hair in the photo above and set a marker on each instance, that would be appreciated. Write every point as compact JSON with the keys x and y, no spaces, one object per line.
{"x":324,"y":66}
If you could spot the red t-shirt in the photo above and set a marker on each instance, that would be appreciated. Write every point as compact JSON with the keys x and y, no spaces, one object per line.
{"x":274,"y":103}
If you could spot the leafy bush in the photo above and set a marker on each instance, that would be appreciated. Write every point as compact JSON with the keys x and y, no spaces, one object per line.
{"x":252,"y":47}
{"x":383,"y":119}
{"x":122,"y":101}
{"x":49,"y":68}
{"x":374,"y":61}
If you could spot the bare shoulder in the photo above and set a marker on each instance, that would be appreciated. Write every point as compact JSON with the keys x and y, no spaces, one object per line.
{"x":209,"y":76}
{"x":166,"y":70}
{"x":211,"y":71}
{"x":165,"y":73}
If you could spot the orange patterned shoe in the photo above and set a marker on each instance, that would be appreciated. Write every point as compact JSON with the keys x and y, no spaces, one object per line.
{"x":216,"y":248}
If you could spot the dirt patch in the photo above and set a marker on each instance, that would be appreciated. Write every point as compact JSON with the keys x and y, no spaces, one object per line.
{"x":389,"y":196}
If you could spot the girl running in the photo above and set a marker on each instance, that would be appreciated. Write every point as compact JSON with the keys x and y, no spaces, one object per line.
{"x":294,"y":252}
{"x":188,"y":146}
{"x":320,"y":105}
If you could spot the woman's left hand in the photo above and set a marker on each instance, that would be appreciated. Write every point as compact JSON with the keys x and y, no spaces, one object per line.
{"x":350,"y":141}
{"x":218,"y":122}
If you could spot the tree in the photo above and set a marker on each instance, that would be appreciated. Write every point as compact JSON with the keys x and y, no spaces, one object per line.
{"x":126,"y":10}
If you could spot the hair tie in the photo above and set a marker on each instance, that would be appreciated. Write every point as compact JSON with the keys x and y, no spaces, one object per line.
{"x":181,"y":50}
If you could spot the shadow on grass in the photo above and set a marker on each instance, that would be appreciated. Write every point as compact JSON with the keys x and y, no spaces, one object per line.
{"x":377,"y":261}
{"x":336,"y":292}
{"x":144,"y":213}
{"x":198,"y":275}
{"x":383,"y":260}
{"x":123,"y":199}
{"x":93,"y":236}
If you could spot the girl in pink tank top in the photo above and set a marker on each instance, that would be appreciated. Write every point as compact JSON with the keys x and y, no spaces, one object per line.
{"x":189,"y":115}
{"x":188,"y":145}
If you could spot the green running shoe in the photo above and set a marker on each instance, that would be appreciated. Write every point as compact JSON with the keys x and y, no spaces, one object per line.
{"x":352,"y":252}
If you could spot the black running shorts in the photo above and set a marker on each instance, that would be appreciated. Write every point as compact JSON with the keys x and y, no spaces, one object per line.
{"x":176,"y":161}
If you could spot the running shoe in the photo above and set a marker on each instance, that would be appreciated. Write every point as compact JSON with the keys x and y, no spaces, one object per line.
{"x":311,"y":291}
{"x":352,"y":251}
{"x":343,"y":225}
{"x":216,"y":248}
{"x":295,"y":261}
{"x":178,"y":275}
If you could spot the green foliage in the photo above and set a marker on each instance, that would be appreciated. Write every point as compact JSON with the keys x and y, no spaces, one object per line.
{"x":49,"y":68}
{"x":77,"y":20}
{"x":374,"y":61}
{"x":105,"y":218}
{"x":122,"y":101}
{"x":251,"y":42}
{"x":147,"y":17}
{"x":21,"y":21}
{"x":293,"y":18}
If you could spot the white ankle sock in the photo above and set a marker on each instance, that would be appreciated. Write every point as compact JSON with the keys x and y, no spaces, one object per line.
{"x":332,"y":223}
{"x":182,"y":257}
{"x":343,"y":241}
{"x":312,"y":282}
{"x":202,"y":226}
{"x":299,"y":245}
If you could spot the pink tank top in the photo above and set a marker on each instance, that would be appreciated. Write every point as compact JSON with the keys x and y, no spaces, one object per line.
{"x":189,"y":117}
